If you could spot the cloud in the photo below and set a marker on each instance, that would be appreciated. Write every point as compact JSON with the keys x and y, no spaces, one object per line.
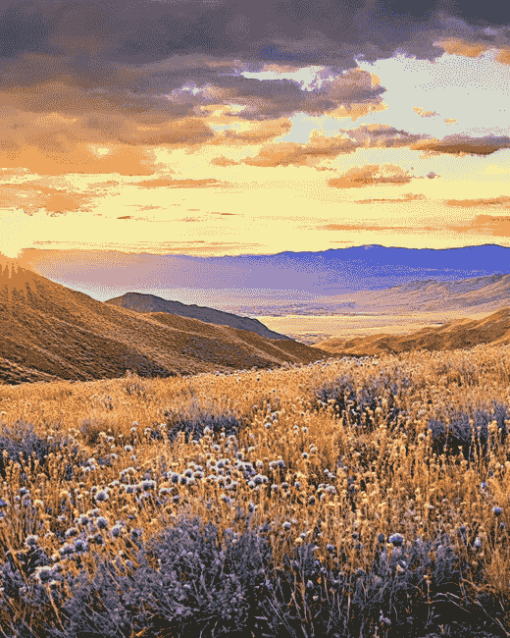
{"x":458,"y":46}
{"x":318,"y":148}
{"x":423,"y":113}
{"x":407,"y":197}
{"x":247,"y":133}
{"x":502,"y":201}
{"x":371,"y":174}
{"x":485,"y":225}
{"x":450,"y":121}
{"x":179,"y":183}
{"x":380,"y":136}
{"x":364,"y":227}
{"x":32,"y":197}
{"x":132,"y":76}
{"x":338,"y":94}
{"x":463,"y":144}
{"x":53,"y":143}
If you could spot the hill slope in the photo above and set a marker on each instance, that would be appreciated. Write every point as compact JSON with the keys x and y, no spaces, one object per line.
{"x":48,"y":331}
{"x":480,"y":294}
{"x":140,"y":302}
{"x":464,"y":333}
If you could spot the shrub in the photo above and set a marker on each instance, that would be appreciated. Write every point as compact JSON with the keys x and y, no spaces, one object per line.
{"x":193,"y":425}
{"x":354,"y":402}
{"x":448,"y":438}
{"x":22,"y":439}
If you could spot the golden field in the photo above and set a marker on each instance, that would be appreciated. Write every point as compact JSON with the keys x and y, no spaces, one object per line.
{"x":308,"y":449}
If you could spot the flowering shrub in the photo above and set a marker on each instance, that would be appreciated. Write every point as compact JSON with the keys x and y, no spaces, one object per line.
{"x":193,"y":426}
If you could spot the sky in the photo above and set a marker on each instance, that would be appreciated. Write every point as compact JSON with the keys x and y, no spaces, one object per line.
{"x":214,"y":128}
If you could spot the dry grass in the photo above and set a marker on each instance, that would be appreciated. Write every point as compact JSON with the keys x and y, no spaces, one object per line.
{"x":403,"y":483}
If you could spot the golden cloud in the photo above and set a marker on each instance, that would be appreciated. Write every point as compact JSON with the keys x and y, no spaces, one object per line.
{"x":362,"y":227}
{"x":486,"y":225}
{"x":33,"y":196}
{"x":371,"y":174}
{"x":456,"y":46}
{"x":355,"y":111}
{"x":318,"y":148}
{"x":423,"y":113}
{"x":407,"y":197}
{"x":178,"y":183}
{"x":251,"y":132}
{"x":502,"y":201}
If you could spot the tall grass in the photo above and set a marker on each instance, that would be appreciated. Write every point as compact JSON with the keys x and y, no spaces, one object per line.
{"x":357,"y":497}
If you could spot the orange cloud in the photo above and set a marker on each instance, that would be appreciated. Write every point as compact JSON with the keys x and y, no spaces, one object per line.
{"x":503,"y":56}
{"x":450,"y":121}
{"x":362,"y":227}
{"x":486,"y":225}
{"x":318,"y":148}
{"x":371,"y":174}
{"x":423,"y":113}
{"x":502,"y":201}
{"x":252,"y":133}
{"x":179,"y":183}
{"x":456,"y":46}
{"x":33,"y":196}
{"x":407,"y":197}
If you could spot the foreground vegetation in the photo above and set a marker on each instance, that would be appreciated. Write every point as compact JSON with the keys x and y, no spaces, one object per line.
{"x":356,"y":497}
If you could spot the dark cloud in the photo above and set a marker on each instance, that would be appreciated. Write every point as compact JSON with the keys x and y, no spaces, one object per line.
{"x":463,"y":144}
{"x":95,"y":41}
{"x":142,"y":73}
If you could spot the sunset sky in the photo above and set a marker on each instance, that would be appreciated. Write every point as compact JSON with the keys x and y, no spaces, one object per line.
{"x":211,"y":127}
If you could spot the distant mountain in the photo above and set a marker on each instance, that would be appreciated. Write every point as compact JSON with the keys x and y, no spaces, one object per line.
{"x":49,"y":332}
{"x":480,"y":294}
{"x":464,"y":333}
{"x":150,"y":303}
{"x":233,"y":281}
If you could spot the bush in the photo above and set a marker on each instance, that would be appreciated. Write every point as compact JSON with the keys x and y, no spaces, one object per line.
{"x":188,"y":584}
{"x":193,"y":425}
{"x":194,"y":585}
{"x":448,"y":438}
{"x":355,"y":402}
{"x":22,"y":439}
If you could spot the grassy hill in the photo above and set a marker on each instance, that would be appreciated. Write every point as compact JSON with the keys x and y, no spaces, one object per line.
{"x":49,"y":331}
{"x":463,"y":333}
{"x":150,"y":303}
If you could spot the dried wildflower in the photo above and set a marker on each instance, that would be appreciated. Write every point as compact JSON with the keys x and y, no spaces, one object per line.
{"x":44,"y":574}
{"x":396,"y":540}
{"x":31,"y":541}
{"x":102,"y":496}
{"x":102,"y":522}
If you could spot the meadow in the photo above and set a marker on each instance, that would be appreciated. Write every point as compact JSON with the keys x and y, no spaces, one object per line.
{"x":353,"y":497}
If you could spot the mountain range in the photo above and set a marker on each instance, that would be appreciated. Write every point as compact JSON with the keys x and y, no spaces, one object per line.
{"x":50,"y":332}
{"x":479,"y":294}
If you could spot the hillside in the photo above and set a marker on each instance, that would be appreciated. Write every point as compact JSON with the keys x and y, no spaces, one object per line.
{"x":463,"y":333}
{"x":480,"y":294}
{"x":50,"y":332}
{"x":140,"y":302}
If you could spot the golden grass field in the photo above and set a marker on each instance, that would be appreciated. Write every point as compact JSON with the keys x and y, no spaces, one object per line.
{"x":402,"y":486}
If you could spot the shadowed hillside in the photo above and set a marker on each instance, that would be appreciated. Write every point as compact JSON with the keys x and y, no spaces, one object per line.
{"x":51,"y":332}
{"x":464,"y":333}
{"x":150,"y":303}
